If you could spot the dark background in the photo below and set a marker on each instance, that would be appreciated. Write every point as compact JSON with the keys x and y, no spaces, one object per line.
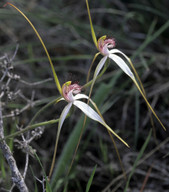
{"x":140,"y":29}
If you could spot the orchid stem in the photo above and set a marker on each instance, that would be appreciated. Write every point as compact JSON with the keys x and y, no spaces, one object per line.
{"x":88,"y":75}
{"x":99,"y":76}
{"x":42,"y":109}
{"x":30,"y":127}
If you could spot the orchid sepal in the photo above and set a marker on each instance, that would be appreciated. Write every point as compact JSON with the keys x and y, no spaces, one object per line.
{"x":92,"y":114}
{"x":40,"y":39}
{"x":62,"y":118}
{"x":91,"y":25}
{"x":102,"y":38}
{"x":121,"y":63}
{"x":89,"y":112}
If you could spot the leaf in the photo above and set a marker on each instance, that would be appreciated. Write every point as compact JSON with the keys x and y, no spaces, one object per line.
{"x":91,"y":179}
{"x":48,"y":186}
{"x":91,"y":24}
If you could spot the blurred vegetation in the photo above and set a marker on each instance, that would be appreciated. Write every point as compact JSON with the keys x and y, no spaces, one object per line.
{"x":141,"y":30}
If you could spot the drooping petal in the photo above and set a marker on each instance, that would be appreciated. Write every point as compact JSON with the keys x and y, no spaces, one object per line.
{"x":88,"y":111}
{"x":95,"y":116}
{"x":61,"y":120}
{"x":63,"y":115}
{"x":120,"y":62}
{"x":99,"y":67}
{"x":97,"y":70}
{"x":82,"y":96}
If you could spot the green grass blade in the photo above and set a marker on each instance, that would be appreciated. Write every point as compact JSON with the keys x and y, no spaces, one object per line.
{"x":48,"y":187}
{"x":91,"y":179}
{"x":137,"y":117}
{"x":150,"y":39}
{"x":30,"y":127}
{"x":36,"y":187}
{"x":137,"y":159}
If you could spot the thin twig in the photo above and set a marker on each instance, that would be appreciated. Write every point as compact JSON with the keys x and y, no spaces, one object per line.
{"x":139,"y":162}
{"x":17,"y":178}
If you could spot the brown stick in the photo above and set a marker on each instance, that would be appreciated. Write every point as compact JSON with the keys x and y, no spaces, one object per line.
{"x":17,"y":178}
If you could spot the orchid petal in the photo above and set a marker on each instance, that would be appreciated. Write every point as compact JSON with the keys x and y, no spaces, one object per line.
{"x":63,"y":115}
{"x":120,"y":62}
{"x":118,"y":51}
{"x":80,"y":96}
{"x":95,"y":116}
{"x":87,"y":110}
{"x":61,"y":120}
{"x":99,"y":67}
{"x":97,"y":70}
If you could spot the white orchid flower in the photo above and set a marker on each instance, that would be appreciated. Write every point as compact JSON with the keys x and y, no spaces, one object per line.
{"x":71,"y":94}
{"x":106,"y":48}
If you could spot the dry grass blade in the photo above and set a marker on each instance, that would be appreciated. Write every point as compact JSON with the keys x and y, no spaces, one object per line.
{"x":146,"y":178}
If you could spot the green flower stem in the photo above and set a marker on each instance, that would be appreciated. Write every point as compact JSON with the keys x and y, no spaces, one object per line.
{"x":88,"y":75}
{"x":99,"y":76}
{"x":43,"y":108}
{"x":30,"y":127}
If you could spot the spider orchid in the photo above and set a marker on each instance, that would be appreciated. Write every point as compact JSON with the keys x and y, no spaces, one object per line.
{"x":71,"y":93}
{"x":105,"y":46}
